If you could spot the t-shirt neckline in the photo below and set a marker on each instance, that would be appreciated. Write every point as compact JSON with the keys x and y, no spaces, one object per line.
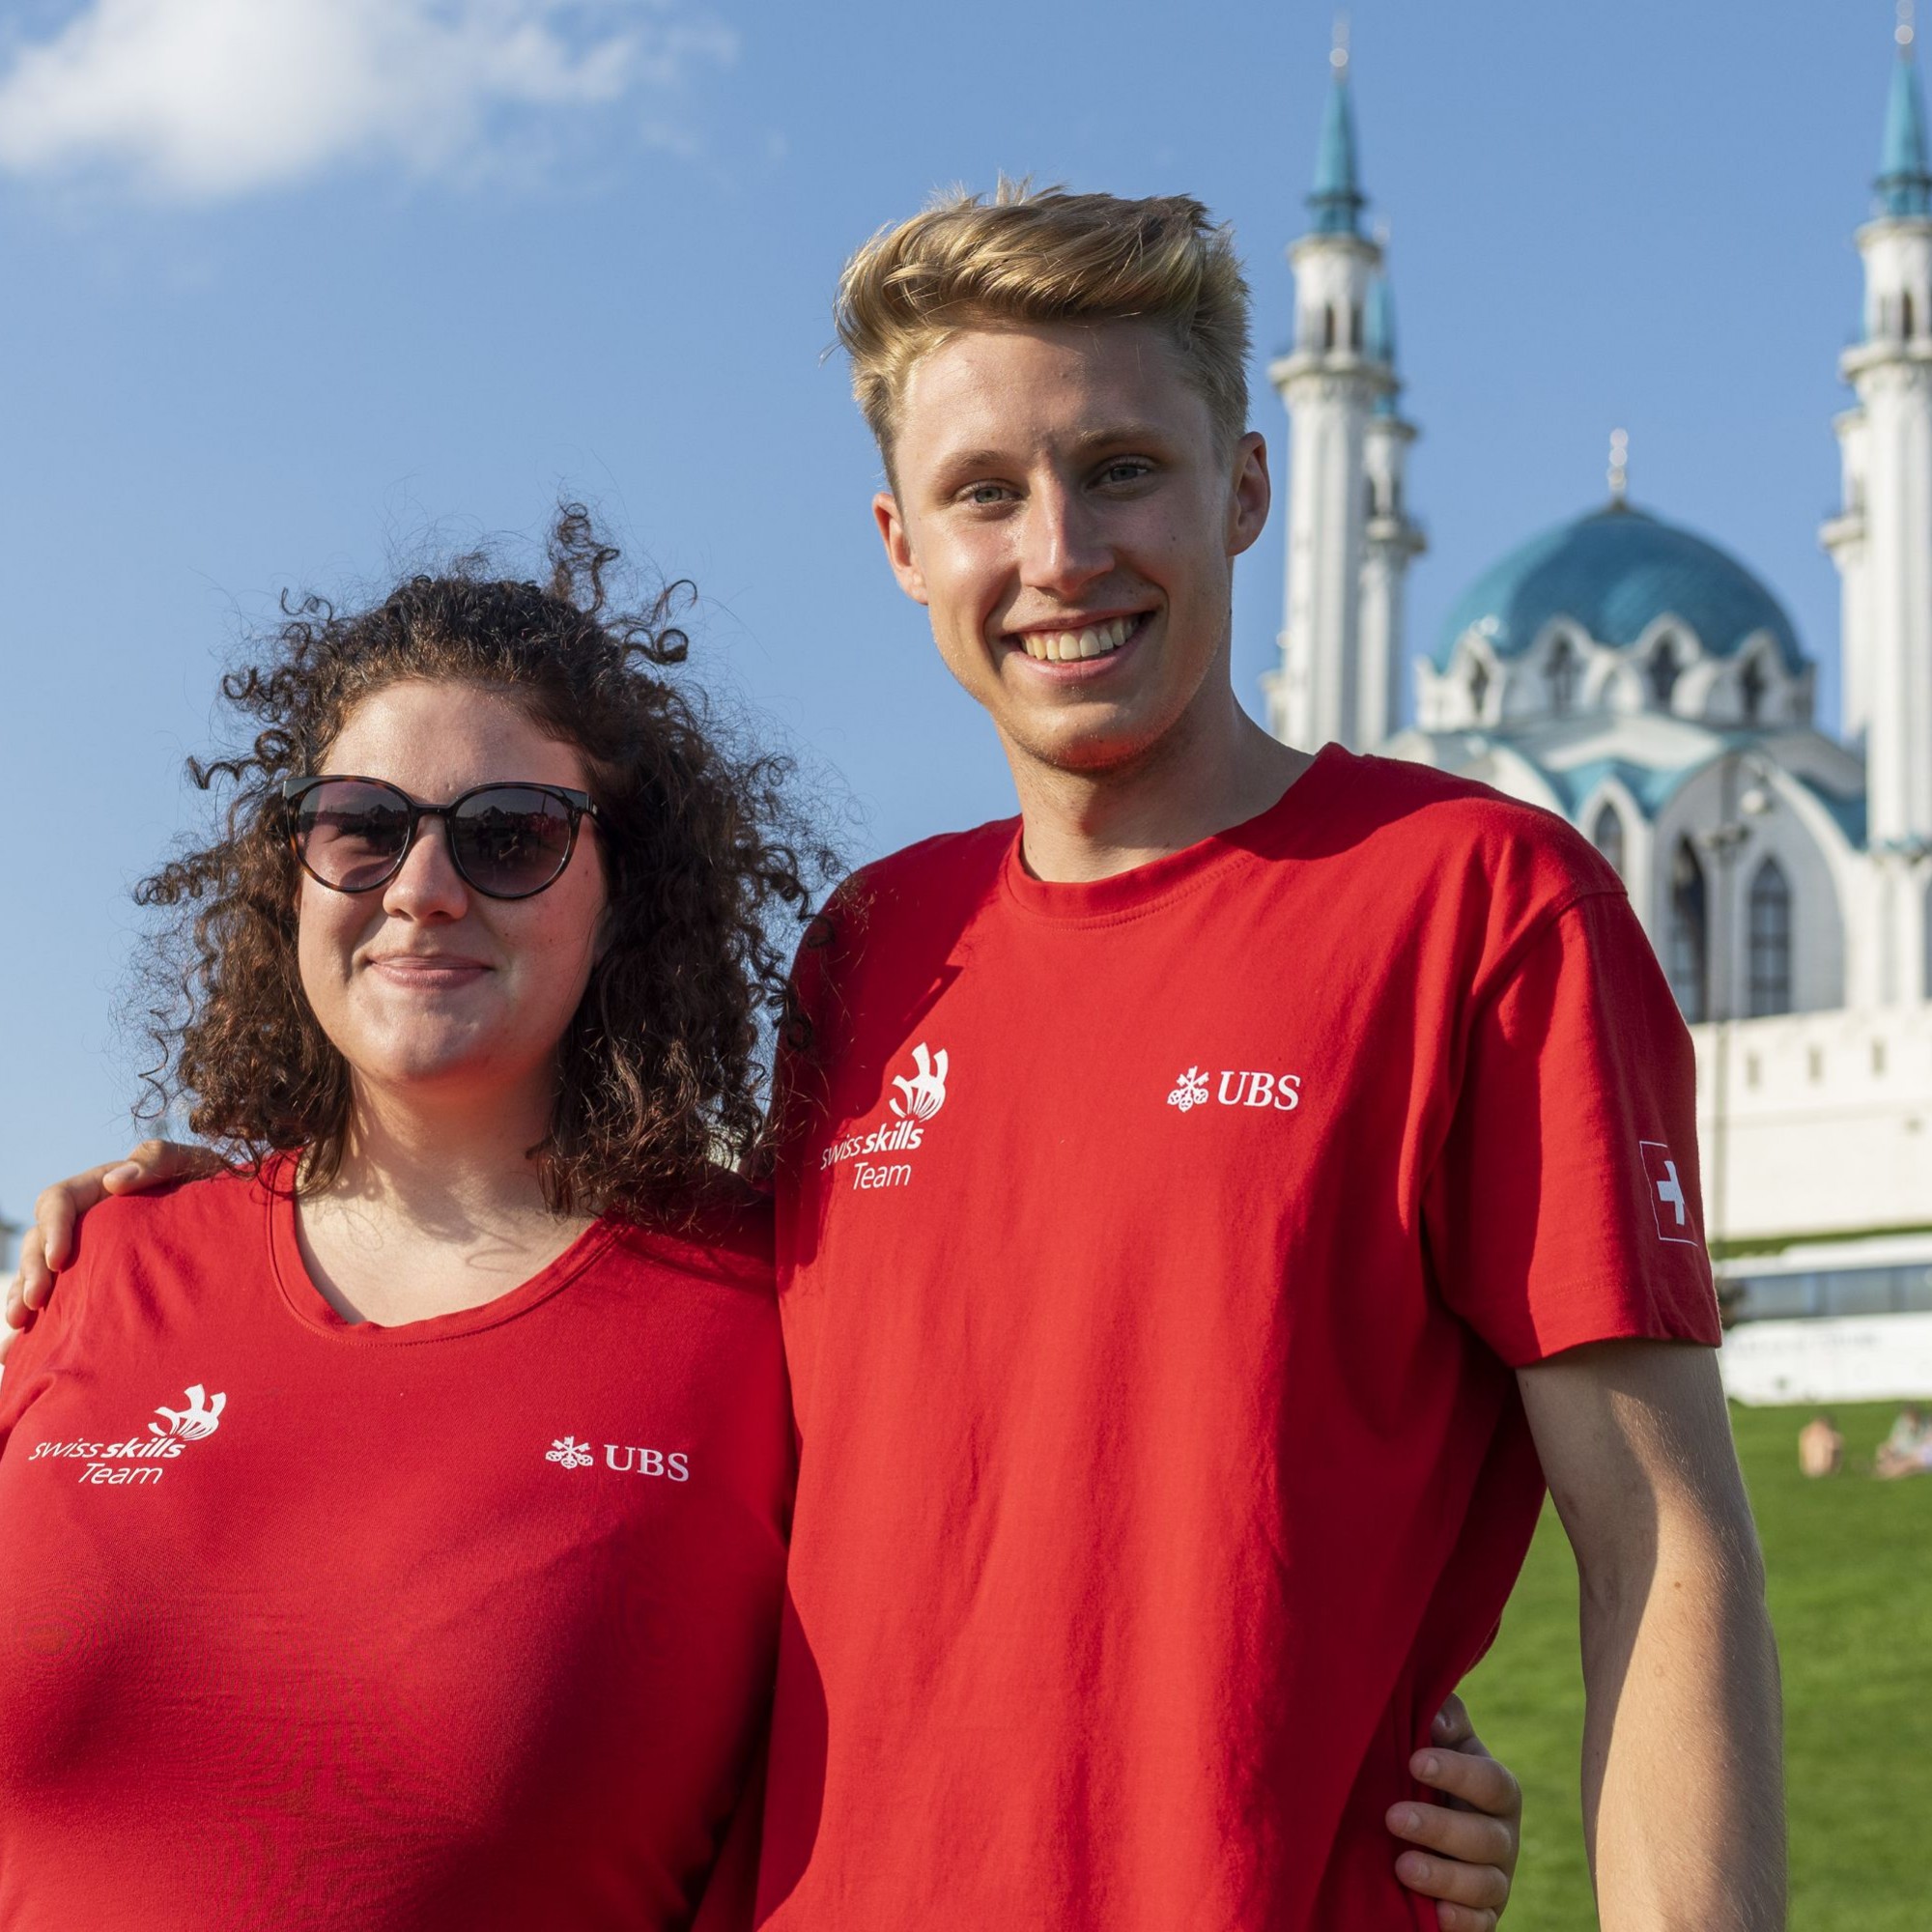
{"x":1144,"y":888}
{"x":312,"y":1308}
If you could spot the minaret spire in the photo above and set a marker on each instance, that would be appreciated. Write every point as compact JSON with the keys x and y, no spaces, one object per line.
{"x":1337,"y":200}
{"x":1905,"y":176}
{"x":1619,"y":451}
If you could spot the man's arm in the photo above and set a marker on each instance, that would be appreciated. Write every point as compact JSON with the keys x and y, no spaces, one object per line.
{"x":1683,"y":1784}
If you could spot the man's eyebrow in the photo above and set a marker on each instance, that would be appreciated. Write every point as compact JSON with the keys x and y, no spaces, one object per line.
{"x":973,"y":459}
{"x":1113,"y":436}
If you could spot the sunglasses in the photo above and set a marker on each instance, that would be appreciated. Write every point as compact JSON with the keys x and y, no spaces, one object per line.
{"x":507,"y":842}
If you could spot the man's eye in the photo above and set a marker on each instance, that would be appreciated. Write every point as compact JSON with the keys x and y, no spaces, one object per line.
{"x":1127,"y":469}
{"x":982,"y":494}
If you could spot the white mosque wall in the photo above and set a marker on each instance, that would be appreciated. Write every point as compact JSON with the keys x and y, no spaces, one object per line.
{"x":1855,"y":1358}
{"x":1768,"y":816}
{"x":1816,"y":1123}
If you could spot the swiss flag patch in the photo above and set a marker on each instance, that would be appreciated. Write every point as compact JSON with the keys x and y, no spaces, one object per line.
{"x":1671,"y":1198}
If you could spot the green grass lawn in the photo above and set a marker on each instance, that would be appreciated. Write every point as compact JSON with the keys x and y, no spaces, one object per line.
{"x":1850,"y":1565}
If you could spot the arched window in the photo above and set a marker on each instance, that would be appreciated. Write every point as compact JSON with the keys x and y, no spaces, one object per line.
{"x":1606,"y":835}
{"x":1328,"y":327}
{"x":1769,"y":987}
{"x":1663,"y":669}
{"x":1371,"y":507}
{"x":1686,"y":959}
{"x":1751,"y":689}
{"x":1905,"y":315}
{"x":1562,"y":669}
{"x":1479,"y":687}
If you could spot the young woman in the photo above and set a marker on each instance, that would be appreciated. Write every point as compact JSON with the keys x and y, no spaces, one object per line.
{"x":404,"y":1507}
{"x":407,"y":1510}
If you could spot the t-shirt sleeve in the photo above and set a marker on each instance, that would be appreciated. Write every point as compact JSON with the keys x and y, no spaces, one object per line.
{"x":37,"y":1356}
{"x":1564,"y":1206}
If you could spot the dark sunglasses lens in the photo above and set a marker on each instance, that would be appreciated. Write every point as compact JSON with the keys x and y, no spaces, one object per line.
{"x":350,"y":835}
{"x":510,"y":841}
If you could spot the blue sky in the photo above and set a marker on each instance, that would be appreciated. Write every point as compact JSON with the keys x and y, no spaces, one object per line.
{"x":295,"y":287}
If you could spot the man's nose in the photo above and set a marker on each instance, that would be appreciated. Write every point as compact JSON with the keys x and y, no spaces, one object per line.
{"x":1063,"y":546}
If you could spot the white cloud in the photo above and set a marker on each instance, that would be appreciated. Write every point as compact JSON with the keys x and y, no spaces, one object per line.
{"x":201,"y":99}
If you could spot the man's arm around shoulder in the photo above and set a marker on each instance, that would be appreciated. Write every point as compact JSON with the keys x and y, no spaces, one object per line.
{"x":49,"y":1245}
{"x":1682,"y":1776}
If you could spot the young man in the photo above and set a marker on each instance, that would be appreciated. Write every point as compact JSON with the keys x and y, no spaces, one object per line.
{"x":1208,"y":1207}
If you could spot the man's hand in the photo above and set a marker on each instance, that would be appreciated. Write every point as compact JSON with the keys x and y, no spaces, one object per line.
{"x":1472,"y":1842}
{"x":1682,"y":1780}
{"x":47,"y":1246}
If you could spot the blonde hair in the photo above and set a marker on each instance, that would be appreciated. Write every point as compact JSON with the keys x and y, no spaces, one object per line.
{"x":1046,"y":256}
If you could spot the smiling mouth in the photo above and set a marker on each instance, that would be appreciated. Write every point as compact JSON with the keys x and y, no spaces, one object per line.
{"x":428,"y":966}
{"x":1095,"y":641}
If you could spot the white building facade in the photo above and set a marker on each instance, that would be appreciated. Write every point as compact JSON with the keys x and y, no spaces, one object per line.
{"x":1630,"y":675}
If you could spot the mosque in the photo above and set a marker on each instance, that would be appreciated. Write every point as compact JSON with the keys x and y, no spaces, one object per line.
{"x":1626,"y":672}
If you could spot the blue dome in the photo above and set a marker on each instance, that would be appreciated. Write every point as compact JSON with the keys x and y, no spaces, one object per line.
{"x":1614,"y":573}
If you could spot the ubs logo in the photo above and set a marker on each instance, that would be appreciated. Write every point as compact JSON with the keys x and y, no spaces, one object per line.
{"x":1237,"y":1087}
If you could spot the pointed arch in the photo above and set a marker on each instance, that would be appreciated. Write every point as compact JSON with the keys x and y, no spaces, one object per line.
{"x":1768,"y":929}
{"x":1665,"y":664}
{"x":1480,"y":680}
{"x":1926,"y":965}
{"x":1562,"y":667}
{"x":1606,"y":835}
{"x":1686,"y":959}
{"x":1753,"y":688}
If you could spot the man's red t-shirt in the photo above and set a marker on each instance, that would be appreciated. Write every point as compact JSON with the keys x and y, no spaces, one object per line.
{"x":468,"y":1623}
{"x":1154,"y":1257}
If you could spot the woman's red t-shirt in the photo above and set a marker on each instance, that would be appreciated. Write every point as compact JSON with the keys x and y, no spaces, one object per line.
{"x":304,"y":1623}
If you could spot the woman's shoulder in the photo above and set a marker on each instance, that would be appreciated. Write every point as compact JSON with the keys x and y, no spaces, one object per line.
{"x":725,"y":1238}
{"x":178,"y":1214}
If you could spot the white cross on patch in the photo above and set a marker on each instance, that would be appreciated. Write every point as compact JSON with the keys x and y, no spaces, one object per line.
{"x":1668,"y":1201}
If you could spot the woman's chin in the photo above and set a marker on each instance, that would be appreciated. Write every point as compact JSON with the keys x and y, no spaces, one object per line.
{"x":437,"y":1077}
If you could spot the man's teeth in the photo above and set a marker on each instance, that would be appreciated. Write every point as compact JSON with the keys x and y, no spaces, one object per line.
{"x":1065,"y":647}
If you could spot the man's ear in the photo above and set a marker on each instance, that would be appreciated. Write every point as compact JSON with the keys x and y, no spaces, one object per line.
{"x":898,"y":546}
{"x":1249,"y":492}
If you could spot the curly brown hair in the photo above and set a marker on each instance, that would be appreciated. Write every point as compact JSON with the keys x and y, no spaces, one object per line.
{"x":662,"y":1067}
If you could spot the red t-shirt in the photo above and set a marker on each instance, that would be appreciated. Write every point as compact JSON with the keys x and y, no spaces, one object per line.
{"x":304,"y":1625}
{"x":1154,"y":1257}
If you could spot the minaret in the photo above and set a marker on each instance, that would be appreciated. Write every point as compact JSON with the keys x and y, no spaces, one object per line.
{"x":1392,"y":539}
{"x":1881,"y":540}
{"x":1331,"y":386}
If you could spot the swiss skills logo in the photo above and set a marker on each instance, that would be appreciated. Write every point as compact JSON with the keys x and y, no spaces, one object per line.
{"x":139,"y":1460}
{"x":200,"y":1418}
{"x":921,"y":1095}
{"x":1669,"y":1199}
{"x":926,"y":1091}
